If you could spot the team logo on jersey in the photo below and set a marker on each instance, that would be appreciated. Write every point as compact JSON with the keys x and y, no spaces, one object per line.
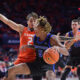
{"x":26,"y":34}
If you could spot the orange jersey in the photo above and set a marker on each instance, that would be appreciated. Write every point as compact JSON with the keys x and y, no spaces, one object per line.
{"x":28,"y":55}
{"x":78,"y":35}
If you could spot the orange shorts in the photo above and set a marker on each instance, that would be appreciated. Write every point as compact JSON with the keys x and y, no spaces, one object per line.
{"x":20,"y":60}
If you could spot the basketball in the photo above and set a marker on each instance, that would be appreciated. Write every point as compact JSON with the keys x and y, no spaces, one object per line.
{"x":51,"y":56}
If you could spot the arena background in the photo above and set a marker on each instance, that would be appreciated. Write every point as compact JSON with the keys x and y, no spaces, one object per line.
{"x":58,"y":12}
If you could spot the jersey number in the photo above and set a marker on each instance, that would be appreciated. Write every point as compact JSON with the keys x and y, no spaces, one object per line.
{"x":30,"y":40}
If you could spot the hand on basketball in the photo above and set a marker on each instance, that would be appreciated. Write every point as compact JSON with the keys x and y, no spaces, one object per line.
{"x":50,"y":55}
{"x":56,"y":48}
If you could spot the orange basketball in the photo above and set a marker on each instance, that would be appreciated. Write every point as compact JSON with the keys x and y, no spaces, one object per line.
{"x":51,"y":56}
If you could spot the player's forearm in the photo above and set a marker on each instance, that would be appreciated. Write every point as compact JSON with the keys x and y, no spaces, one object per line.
{"x":69,"y":44}
{"x":3,"y":19}
{"x":10,"y":23}
{"x":63,"y":51}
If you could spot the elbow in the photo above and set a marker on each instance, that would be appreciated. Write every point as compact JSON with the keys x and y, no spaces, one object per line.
{"x":64,"y":51}
{"x":66,"y":54}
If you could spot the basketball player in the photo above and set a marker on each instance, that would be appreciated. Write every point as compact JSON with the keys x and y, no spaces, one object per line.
{"x":26,"y":36}
{"x":79,"y":22}
{"x":74,"y":58}
{"x":42,"y":40}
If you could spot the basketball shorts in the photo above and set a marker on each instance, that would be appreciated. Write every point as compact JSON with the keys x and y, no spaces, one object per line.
{"x":22,"y":60}
{"x":39,"y":67}
{"x":60,"y":63}
{"x":18,"y":61}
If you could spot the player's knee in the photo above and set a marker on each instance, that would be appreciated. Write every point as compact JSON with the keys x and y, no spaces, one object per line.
{"x":68,"y":67}
{"x":78,"y":71}
{"x":11,"y":70}
{"x":67,"y":70}
{"x":65,"y":73}
{"x":50,"y":73}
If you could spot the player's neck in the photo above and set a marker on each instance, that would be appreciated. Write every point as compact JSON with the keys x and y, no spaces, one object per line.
{"x":75,"y":32}
{"x":42,"y":37}
{"x":30,"y":29}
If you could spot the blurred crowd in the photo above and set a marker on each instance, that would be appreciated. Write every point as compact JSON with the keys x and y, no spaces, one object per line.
{"x":59,"y":13}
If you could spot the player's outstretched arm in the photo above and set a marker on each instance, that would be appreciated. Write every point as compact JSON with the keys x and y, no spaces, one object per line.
{"x":68,"y":44}
{"x":61,"y":48}
{"x":11,"y":24}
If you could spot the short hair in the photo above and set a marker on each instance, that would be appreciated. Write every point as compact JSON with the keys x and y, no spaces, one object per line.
{"x":75,"y":20}
{"x":32,"y":14}
{"x":43,"y":22}
{"x":79,"y":20}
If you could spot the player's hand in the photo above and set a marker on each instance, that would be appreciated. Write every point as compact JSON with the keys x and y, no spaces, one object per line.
{"x":0,"y":16}
{"x":77,"y":37}
{"x":58,"y":34}
{"x":55,"y":48}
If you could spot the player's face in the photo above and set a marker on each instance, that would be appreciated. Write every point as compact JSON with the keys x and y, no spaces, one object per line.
{"x":79,"y":25}
{"x":30,"y":22}
{"x":74,"y":25}
{"x":38,"y":30}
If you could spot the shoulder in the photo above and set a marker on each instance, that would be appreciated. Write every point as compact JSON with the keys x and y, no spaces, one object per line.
{"x":68,"y":33}
{"x":25,"y":28}
{"x":79,"y":31}
{"x":34,"y":38}
{"x":50,"y":35}
{"x":53,"y":38}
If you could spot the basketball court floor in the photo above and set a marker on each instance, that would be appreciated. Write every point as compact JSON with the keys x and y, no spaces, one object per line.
{"x":55,"y":79}
{"x":45,"y":79}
